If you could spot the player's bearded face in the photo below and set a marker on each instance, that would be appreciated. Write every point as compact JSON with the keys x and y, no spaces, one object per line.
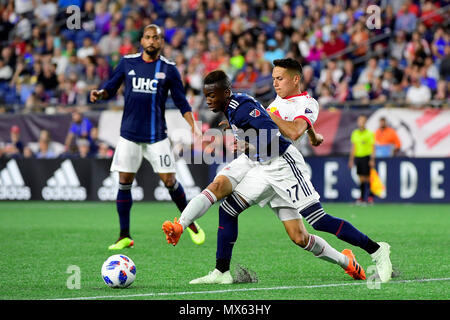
{"x":151,"y":42}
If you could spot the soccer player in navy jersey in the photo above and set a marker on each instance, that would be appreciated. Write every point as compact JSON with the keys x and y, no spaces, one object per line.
{"x":147,"y":77}
{"x":268,"y":168}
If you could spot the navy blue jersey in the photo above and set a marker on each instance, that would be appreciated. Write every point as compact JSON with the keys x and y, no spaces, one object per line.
{"x":147,"y":85}
{"x":250,"y":121}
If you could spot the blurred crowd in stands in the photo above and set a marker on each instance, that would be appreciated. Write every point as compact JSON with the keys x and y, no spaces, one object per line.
{"x":82,"y":141}
{"x":49,"y":62}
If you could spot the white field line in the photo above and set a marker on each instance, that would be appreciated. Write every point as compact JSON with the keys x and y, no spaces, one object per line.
{"x":159,"y":294}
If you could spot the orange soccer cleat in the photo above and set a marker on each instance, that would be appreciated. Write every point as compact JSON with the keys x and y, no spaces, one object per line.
{"x":353,"y":269}
{"x":173,"y":231}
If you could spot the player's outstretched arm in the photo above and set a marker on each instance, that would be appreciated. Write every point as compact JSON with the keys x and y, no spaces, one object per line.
{"x":189,"y":117}
{"x":315,"y":138}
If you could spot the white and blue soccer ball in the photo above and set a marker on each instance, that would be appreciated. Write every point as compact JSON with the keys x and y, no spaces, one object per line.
{"x":118,"y":271}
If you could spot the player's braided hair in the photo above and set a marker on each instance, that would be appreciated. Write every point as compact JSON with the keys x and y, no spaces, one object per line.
{"x":218,"y":78}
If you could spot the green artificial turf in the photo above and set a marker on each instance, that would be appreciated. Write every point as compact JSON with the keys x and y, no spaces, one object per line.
{"x":41,"y":240}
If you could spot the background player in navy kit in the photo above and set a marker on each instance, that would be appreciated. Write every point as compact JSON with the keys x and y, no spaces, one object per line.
{"x":148,"y":76}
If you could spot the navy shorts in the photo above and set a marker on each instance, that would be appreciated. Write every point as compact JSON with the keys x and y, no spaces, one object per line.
{"x":362,"y":166}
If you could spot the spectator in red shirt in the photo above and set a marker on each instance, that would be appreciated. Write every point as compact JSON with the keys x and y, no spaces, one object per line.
{"x":334,"y":44}
{"x":126,"y":47}
{"x":412,"y":7}
{"x":213,"y":60}
{"x":246,"y":79}
{"x":225,"y":25}
{"x":429,"y":15}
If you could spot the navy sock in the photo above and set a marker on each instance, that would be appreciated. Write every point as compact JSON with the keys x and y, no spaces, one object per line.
{"x":362,"y":187}
{"x":321,"y":221}
{"x":178,"y":196}
{"x":368,"y":192}
{"x":226,"y":237}
{"x":124,"y":202}
{"x":227,"y":233}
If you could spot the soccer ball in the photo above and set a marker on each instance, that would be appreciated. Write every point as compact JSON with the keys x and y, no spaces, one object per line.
{"x":118,"y":271}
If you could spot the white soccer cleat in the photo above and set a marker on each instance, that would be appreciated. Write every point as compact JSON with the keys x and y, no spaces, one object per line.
{"x":214,"y":277}
{"x":383,"y":261}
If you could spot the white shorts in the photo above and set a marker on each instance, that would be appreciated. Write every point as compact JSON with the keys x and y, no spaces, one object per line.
{"x":236,"y":170}
{"x":283,"y":182}
{"x":128,"y":156}
{"x":286,"y":214}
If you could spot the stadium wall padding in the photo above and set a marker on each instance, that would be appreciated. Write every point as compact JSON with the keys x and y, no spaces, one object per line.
{"x":422,"y":180}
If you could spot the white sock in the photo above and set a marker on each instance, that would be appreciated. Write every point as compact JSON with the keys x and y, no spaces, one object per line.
{"x":321,"y":249}
{"x":197,"y":207}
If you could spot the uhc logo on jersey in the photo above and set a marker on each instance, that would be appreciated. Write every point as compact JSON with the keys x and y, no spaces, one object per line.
{"x":144,"y":85}
{"x":255,"y":113}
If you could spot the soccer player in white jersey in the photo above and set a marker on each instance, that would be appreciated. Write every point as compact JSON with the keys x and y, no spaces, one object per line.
{"x":288,"y":110}
{"x":263,"y":178}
